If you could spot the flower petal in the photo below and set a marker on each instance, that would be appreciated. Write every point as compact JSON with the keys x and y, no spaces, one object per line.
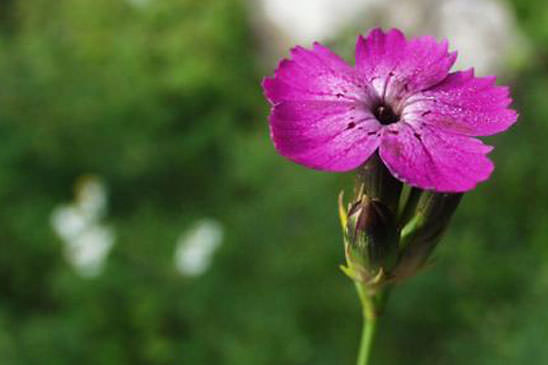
{"x":431,"y":159}
{"x":316,"y":74}
{"x":319,"y":116}
{"x":397,"y":67}
{"x":464,"y":104}
{"x":324,"y":135}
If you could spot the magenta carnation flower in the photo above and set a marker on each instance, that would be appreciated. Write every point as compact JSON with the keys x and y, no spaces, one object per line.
{"x":399,"y":99}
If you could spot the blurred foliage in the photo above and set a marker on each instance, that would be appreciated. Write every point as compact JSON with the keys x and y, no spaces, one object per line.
{"x":162,"y":100}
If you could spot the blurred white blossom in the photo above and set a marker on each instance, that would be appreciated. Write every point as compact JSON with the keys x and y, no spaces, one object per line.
{"x":69,"y":222}
{"x":87,"y":241}
{"x":196,"y":246}
{"x":484,"y":32}
{"x":91,"y":197}
{"x":87,"y":252}
{"x":311,"y":20}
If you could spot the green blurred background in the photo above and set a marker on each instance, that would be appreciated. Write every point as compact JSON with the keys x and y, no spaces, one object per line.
{"x":163,"y":103}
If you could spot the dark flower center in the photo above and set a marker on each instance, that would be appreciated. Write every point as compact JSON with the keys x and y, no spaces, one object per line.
{"x":385,"y":115}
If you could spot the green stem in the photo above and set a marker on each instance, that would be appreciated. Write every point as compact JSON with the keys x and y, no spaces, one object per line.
{"x":368,"y":332}
{"x":369,"y":310}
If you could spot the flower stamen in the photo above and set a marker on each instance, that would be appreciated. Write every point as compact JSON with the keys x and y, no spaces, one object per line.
{"x":385,"y":115}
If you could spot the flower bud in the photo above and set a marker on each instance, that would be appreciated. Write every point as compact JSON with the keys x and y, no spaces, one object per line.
{"x":424,"y":230}
{"x":378,"y":184}
{"x":390,"y":232}
{"x":372,"y":233}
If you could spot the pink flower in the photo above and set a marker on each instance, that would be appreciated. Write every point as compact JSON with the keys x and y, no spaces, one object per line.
{"x":399,"y":99}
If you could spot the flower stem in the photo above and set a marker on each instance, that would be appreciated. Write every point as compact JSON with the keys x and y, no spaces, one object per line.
{"x":370,"y":304}
{"x":368,"y":332}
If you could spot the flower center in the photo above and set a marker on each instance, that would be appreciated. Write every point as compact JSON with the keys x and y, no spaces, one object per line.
{"x":385,"y":115}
